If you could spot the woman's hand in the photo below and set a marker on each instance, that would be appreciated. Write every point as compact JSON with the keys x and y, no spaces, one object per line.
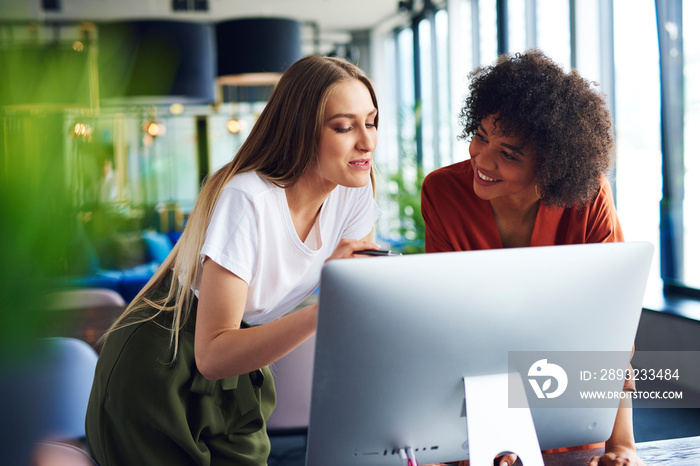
{"x":508,"y":459}
{"x":346,"y":247}
{"x":617,"y":457}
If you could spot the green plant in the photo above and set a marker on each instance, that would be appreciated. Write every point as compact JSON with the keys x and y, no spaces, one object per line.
{"x":406,"y":195}
{"x":406,"y":183}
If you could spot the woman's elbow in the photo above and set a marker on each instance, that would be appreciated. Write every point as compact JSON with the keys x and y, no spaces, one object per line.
{"x":206,"y":363}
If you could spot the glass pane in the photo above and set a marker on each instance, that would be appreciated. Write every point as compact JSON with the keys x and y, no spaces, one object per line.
{"x":404,"y":192}
{"x":387,"y":154}
{"x":517,"y":38}
{"x":228,"y":130}
{"x":224,"y":143}
{"x":427,"y":109}
{"x":553,"y":32}
{"x":406,"y":117}
{"x":178,"y":169}
{"x":691,"y":204}
{"x":135,"y":159}
{"x":386,"y":157}
{"x":488,"y":33}
{"x":169,"y":162}
{"x":637,"y":123}
{"x":461,"y":64}
{"x":445,"y":116}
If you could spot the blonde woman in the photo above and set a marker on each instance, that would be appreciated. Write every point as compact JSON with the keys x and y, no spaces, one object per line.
{"x":182,"y":377}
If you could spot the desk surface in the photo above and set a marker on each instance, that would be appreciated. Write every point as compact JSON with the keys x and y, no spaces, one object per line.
{"x":673,"y":452}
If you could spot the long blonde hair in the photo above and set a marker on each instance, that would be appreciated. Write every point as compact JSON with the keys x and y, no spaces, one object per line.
{"x":282,"y":145}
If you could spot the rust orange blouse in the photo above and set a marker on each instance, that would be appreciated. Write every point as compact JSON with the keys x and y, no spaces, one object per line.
{"x":456,"y":219}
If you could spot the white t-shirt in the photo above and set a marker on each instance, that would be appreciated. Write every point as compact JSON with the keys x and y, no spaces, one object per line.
{"x":251,"y":234}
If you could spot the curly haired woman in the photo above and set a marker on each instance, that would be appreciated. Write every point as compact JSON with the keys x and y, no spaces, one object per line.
{"x":541,"y":146}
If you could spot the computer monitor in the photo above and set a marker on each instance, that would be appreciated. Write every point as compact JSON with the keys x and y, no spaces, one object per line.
{"x":397,"y":335}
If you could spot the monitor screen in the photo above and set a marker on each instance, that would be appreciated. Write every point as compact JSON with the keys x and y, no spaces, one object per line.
{"x":396,"y":337}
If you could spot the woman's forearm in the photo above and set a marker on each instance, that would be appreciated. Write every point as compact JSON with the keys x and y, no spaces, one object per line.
{"x":623,"y":431}
{"x":241,"y":350}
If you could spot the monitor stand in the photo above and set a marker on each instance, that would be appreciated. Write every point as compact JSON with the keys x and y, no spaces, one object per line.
{"x":492,"y":427}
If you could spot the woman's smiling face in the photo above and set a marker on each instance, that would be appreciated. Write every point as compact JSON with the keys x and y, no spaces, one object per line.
{"x":503,"y":165}
{"x":348,"y":136}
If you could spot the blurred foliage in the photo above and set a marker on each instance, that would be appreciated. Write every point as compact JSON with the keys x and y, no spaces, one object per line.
{"x":50,"y":178}
{"x":407,"y":182}
{"x":38,"y":226}
{"x":40,"y":80}
{"x":53,"y":74}
{"x":407,"y":198}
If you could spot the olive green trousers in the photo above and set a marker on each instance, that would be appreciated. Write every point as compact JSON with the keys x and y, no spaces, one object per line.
{"x":145,"y":410}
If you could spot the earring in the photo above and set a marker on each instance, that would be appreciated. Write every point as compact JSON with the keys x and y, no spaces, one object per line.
{"x":538,"y":193}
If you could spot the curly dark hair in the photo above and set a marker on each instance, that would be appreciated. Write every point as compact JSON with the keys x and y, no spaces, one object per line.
{"x":559,"y":113}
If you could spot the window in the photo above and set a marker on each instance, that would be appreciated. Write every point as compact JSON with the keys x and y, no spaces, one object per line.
{"x":637,"y":124}
{"x":553,"y":31}
{"x":640,"y":55}
{"x":406,"y":118}
{"x":421,"y":122}
{"x":428,"y":156}
{"x":680,"y":111}
{"x":487,"y":32}
{"x":691,"y":156}
{"x":434,"y":97}
{"x":518,"y":21}
{"x":444,"y":117}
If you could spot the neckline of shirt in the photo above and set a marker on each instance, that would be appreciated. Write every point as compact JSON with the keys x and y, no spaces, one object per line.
{"x":289,"y":224}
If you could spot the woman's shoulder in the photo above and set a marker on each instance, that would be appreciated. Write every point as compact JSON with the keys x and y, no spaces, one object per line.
{"x":597,"y":220}
{"x":604,"y":197}
{"x":248,"y":184}
{"x":601,"y":199}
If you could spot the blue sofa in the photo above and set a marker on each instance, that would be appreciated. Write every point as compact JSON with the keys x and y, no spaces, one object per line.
{"x":127,"y":263}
